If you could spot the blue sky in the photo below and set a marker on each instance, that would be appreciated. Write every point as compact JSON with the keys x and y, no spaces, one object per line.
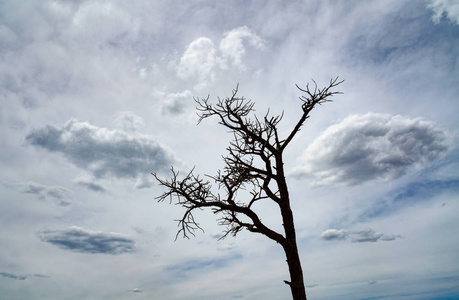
{"x":97,"y":94}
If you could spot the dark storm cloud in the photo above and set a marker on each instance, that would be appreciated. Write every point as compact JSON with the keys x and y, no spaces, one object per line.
{"x":56,"y":194}
{"x":79,"y":240}
{"x":103,"y":152}
{"x":363,"y":148}
{"x":358,"y":236}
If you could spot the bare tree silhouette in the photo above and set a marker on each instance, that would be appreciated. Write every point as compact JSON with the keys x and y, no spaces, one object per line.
{"x":254,"y":163}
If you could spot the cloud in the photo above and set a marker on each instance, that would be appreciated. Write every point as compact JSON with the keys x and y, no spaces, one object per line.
{"x":232,"y":48}
{"x":129,"y":121}
{"x":369,"y":235}
{"x":198,"y":60}
{"x":103,"y":23}
{"x":202,"y":59}
{"x":90,"y":183}
{"x":12,"y":276}
{"x":102,"y":152}
{"x":334,"y":234}
{"x":21,"y":277}
{"x":449,"y":8}
{"x":175,"y":103}
{"x":56,"y":194}
{"x":358,"y":236}
{"x":371,"y":146}
{"x":80,"y":240}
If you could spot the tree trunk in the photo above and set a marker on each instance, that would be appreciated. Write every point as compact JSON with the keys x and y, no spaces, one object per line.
{"x":296,"y":282}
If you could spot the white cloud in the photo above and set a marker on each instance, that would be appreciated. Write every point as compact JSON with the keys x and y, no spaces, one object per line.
{"x":371,"y":146}
{"x":198,"y":60}
{"x":129,"y":121}
{"x":232,"y":48}
{"x":201,"y":60}
{"x":103,"y":23}
{"x":448,"y":7}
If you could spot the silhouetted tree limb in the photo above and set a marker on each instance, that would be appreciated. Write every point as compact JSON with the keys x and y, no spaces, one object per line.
{"x":254,"y":163}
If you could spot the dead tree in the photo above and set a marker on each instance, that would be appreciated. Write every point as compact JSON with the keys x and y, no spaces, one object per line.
{"x":254,"y":163}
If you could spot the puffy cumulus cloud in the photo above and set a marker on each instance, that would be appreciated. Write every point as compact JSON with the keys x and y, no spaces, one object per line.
{"x":232,"y":48}
{"x":102,"y":152}
{"x":175,"y":103}
{"x":371,"y":146}
{"x":448,"y":7}
{"x":202,"y":58}
{"x":56,"y":194}
{"x":80,"y":240}
{"x":358,"y":236}
{"x":334,"y":234}
{"x":198,"y":60}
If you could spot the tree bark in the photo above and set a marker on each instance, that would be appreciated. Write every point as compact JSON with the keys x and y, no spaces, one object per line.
{"x":296,"y":282}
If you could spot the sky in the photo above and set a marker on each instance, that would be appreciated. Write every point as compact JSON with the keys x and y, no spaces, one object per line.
{"x":96,"y":95}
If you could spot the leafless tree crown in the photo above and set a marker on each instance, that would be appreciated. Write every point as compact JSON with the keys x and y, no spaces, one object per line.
{"x":253,"y":163}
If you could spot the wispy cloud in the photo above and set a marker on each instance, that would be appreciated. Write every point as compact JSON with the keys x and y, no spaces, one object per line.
{"x":80,"y":240}
{"x":371,"y":146}
{"x":13,"y":276}
{"x":21,"y":277}
{"x":56,"y":194}
{"x":447,"y":8}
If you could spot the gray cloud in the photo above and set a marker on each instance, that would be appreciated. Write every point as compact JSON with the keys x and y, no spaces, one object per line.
{"x":21,"y":277}
{"x":13,"y":276}
{"x":334,"y":234}
{"x":103,"y":152}
{"x":56,"y":194}
{"x":371,"y":146}
{"x":79,"y":240}
{"x":358,"y":236}
{"x":369,"y":235}
{"x":90,"y":183}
